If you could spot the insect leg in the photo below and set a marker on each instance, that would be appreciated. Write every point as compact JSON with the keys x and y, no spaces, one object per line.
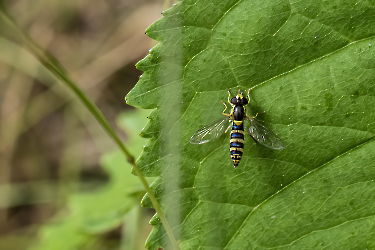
{"x":229,"y":95}
{"x":252,"y":117}
{"x":258,"y":114}
{"x":224,"y":108}
{"x":230,"y":125}
{"x":248,"y":98}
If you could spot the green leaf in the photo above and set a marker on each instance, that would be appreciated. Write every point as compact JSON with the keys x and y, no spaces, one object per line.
{"x":93,"y":213}
{"x":310,"y":66}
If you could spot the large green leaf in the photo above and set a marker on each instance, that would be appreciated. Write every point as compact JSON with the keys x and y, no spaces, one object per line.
{"x":311,"y":67}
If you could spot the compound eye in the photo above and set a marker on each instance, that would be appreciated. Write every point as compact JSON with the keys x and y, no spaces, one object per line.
{"x":234,"y":100}
{"x":244,"y":101}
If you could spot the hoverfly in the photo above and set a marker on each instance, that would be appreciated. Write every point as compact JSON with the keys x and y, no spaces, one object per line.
{"x":237,"y":115}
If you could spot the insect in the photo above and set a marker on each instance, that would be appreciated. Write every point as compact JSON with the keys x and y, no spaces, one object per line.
{"x":237,"y":116}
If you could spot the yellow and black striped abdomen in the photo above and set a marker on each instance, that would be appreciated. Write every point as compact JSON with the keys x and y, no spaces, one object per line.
{"x":237,"y":136}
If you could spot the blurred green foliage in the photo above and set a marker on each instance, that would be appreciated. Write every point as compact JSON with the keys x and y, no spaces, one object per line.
{"x":92,"y":214}
{"x":50,"y":144}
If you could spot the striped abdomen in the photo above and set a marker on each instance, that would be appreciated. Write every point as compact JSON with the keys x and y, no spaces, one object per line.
{"x":237,"y":136}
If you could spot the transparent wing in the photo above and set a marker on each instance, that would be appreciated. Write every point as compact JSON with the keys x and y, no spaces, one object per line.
{"x":210,"y":132}
{"x":264,"y":136}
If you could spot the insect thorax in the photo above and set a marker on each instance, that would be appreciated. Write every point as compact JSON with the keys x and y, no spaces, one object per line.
{"x":238,"y":113}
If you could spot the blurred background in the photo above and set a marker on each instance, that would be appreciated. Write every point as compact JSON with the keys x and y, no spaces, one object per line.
{"x":53,"y":153}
